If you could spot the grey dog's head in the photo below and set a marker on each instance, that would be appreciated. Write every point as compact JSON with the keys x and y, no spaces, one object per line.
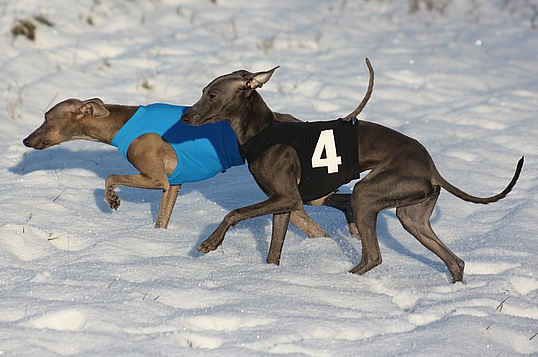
{"x":225,"y":97}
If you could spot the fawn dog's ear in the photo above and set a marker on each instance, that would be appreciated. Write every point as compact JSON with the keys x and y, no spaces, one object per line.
{"x":93,"y":107}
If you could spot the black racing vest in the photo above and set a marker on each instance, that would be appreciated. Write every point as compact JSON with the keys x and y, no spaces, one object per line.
{"x":327,"y":150}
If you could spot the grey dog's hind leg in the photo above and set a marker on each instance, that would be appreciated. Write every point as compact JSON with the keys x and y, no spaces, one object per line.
{"x":416,"y":220}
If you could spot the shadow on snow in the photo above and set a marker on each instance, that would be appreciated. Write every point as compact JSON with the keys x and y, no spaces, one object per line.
{"x":221,"y":189}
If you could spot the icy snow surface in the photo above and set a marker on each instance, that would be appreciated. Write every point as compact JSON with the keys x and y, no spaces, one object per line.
{"x":79,"y":279}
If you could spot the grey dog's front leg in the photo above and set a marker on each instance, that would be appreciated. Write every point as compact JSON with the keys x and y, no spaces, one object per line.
{"x":273,"y":204}
{"x":280,"y":227}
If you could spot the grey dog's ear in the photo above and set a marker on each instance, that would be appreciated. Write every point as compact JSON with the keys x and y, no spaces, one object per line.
{"x":94,"y":106}
{"x":259,"y":79}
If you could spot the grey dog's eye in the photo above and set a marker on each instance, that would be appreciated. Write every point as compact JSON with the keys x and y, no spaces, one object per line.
{"x":212,"y":95}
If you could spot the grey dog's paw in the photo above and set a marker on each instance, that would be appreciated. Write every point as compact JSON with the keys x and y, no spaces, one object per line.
{"x":209,"y":245}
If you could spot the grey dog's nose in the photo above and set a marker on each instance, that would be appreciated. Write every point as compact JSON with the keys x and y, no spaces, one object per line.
{"x":186,"y":117}
{"x":26,"y":142}
{"x":190,"y":117}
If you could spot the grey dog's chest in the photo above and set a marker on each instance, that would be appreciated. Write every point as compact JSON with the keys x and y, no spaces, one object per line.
{"x":327,"y":150}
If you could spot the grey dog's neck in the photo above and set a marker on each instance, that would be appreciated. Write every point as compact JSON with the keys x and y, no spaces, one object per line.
{"x":256,"y":117}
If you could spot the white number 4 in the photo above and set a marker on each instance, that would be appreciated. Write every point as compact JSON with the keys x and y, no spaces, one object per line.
{"x":326,"y":143}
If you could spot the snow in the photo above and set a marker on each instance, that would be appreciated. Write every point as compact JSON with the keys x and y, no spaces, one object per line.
{"x":79,"y":279}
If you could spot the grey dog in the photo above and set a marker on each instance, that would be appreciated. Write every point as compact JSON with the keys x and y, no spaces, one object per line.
{"x":402,"y":174}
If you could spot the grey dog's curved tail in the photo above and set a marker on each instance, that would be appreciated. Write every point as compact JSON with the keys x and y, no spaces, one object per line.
{"x":439,"y":180}
{"x":368,"y":94}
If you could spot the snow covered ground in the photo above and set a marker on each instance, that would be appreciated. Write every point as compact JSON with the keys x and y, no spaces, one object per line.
{"x":78,"y":279}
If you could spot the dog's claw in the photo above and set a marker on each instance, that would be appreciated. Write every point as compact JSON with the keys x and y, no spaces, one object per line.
{"x":362,"y":268}
{"x":204,"y":248}
{"x":457,"y":278}
{"x":209,"y":245}
{"x":457,"y":271}
{"x":114,"y":205}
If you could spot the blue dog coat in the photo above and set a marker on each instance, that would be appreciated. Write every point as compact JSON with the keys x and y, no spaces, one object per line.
{"x":202,"y":151}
